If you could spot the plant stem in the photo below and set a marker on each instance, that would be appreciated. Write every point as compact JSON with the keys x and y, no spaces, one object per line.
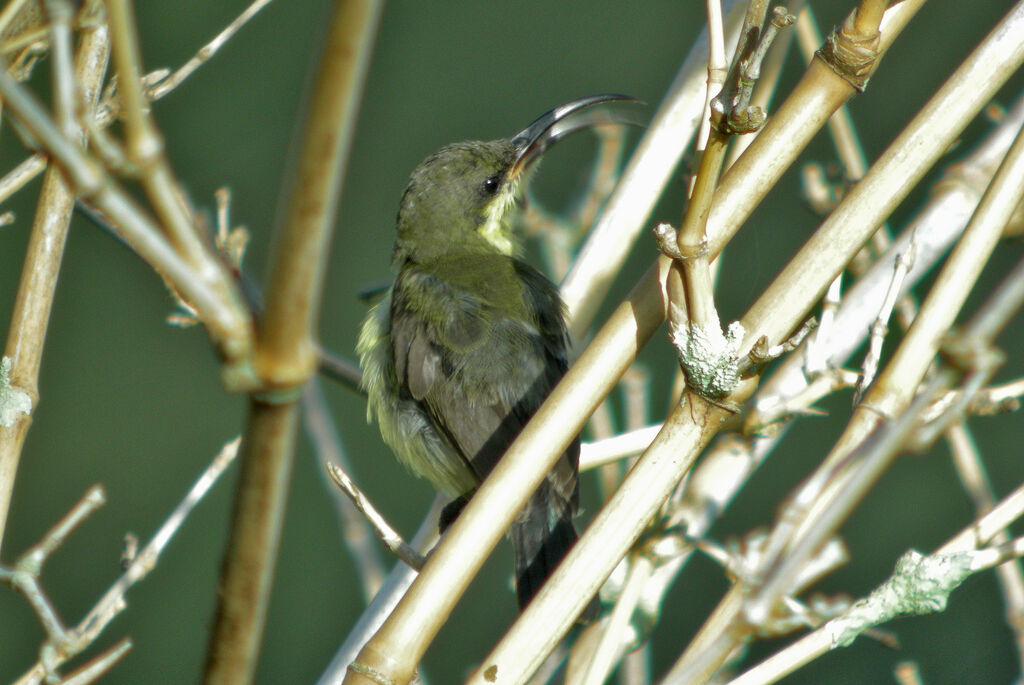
{"x":285,"y":355}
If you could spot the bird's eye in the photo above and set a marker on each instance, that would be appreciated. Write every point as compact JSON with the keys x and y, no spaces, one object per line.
{"x":491,"y":184}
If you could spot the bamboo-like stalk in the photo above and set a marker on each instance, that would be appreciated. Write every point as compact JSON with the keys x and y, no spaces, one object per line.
{"x":384,"y":602}
{"x":971,"y":472}
{"x":935,"y":227}
{"x":811,"y":103}
{"x":723,"y":470}
{"x":894,"y":389}
{"x":286,"y":350}
{"x":614,"y":641}
{"x":687,"y":430}
{"x":840,"y":126}
{"x":93,"y":185}
{"x":648,"y":171}
{"x":516,"y":650}
{"x":285,"y":355}
{"x":906,"y":159}
{"x":902,"y":165}
{"x":398,"y":646}
{"x":247,"y":573}
{"x":822,"y":640}
{"x":31,"y":315}
{"x":403,"y":638}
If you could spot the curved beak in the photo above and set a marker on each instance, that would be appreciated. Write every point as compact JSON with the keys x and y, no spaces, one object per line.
{"x":557,"y":123}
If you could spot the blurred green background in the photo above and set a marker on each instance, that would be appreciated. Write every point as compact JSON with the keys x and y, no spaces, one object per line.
{"x":133,"y":404}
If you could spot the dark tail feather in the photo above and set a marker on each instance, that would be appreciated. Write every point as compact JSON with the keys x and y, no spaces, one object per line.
{"x":540,"y":540}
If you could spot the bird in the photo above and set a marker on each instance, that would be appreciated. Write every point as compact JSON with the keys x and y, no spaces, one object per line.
{"x":470,"y":339}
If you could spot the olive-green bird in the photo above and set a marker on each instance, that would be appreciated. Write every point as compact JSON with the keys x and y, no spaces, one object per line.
{"x":471,"y":339}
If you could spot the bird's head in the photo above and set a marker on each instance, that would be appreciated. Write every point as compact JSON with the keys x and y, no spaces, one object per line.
{"x":459,"y":199}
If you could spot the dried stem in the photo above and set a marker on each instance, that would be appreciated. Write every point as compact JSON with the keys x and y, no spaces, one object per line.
{"x":59,"y":13}
{"x":34,"y":165}
{"x":16,"y":179}
{"x":144,"y":148}
{"x":63,"y":645}
{"x":398,"y":646}
{"x":388,"y":535}
{"x":648,"y":171}
{"x":413,"y":623}
{"x":975,"y":481}
{"x":285,"y":355}
{"x":891,"y":393}
{"x":822,"y":640}
{"x":100,"y":666}
{"x":94,"y":186}
{"x":615,"y":639}
{"x":31,"y":314}
{"x":204,"y":54}
{"x":355,"y":531}
{"x":286,"y":352}
{"x":880,"y":327}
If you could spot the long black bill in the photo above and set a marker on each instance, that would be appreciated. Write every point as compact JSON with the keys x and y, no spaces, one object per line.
{"x":557,"y":123}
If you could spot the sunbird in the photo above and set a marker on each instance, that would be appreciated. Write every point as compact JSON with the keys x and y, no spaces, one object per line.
{"x":470,"y":339}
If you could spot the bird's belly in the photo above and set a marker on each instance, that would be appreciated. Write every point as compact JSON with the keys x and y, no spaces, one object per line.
{"x":404,"y":425}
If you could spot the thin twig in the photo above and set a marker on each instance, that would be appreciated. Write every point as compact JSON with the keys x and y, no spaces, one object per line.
{"x":648,"y":171}
{"x":387,"y":535}
{"x":33,"y":558}
{"x":880,"y":328}
{"x":911,"y":360}
{"x":798,"y":280}
{"x":383,"y":604}
{"x":616,"y":638}
{"x":100,"y":666}
{"x":25,"y":575}
{"x":823,"y":639}
{"x":972,"y":475}
{"x":158,"y":84}
{"x":19,"y":176}
{"x":355,"y":532}
{"x":166,"y":85}
{"x":113,"y":602}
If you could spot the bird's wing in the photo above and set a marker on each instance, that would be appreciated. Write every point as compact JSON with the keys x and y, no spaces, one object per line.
{"x":480,"y":373}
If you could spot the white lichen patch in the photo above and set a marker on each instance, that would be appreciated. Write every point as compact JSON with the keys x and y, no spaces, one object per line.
{"x":12,"y":401}
{"x":710,"y":358}
{"x":920,"y":585}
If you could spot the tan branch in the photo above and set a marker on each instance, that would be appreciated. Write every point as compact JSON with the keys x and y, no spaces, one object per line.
{"x":285,"y":355}
{"x":30,"y":318}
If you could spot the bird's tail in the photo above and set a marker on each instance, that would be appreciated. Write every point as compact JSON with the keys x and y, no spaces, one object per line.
{"x":541,"y":536}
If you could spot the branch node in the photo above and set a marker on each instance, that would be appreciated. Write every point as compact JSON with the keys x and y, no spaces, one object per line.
{"x":710,"y":358}
{"x":919,"y":585}
{"x":850,"y":54}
